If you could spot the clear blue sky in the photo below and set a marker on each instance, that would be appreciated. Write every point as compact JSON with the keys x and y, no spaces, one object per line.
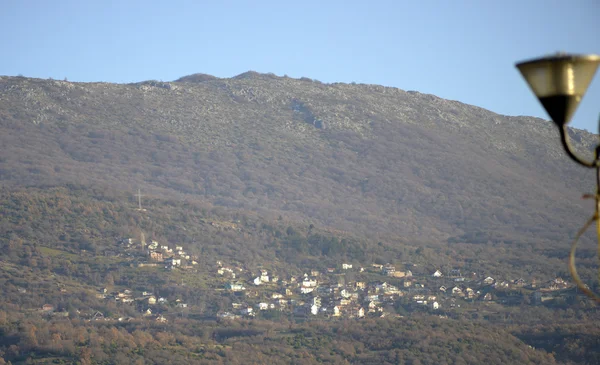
{"x":461,"y":50}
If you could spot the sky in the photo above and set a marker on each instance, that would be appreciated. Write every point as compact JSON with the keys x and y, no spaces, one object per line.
{"x":460,"y":50}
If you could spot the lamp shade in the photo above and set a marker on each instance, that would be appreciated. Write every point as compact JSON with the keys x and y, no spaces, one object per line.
{"x":560,"y":82}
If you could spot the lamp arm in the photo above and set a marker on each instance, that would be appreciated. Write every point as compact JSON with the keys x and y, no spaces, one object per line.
{"x":569,"y":150}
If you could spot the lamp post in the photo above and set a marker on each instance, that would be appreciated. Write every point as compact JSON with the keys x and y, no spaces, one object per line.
{"x":559,"y":82}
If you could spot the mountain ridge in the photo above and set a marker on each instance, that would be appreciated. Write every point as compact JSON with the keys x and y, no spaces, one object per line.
{"x":365,"y":158}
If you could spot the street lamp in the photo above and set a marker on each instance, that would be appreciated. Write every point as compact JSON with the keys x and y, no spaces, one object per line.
{"x":559,"y":82}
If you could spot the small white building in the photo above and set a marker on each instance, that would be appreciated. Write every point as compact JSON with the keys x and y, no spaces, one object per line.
{"x":306,"y":290}
{"x":173,"y":261}
{"x":360,"y":312}
{"x":457,"y":291}
{"x":314,"y":309}
{"x":316,"y":301}
{"x":309,"y":283}
{"x":247,"y":311}
{"x":234,"y":286}
{"x":336,"y":311}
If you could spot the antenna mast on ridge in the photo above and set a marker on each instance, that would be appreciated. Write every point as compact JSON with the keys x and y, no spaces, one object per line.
{"x":139,"y":196}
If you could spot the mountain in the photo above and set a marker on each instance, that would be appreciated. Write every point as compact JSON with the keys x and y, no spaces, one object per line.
{"x":259,"y":172}
{"x":371,"y":160}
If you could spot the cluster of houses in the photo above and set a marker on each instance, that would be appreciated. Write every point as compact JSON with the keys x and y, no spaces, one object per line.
{"x":331,"y":292}
{"x":328,"y":294}
{"x":159,"y":254}
{"x":317,"y":293}
{"x":146,"y":302}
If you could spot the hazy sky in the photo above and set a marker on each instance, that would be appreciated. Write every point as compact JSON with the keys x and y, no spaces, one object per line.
{"x":461,"y":50}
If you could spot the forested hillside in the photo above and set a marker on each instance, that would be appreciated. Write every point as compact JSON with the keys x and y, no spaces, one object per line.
{"x":285,"y":221}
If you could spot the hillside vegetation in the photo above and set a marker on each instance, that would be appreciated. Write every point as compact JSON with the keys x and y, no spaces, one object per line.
{"x":361,"y":158}
{"x":294,"y":176}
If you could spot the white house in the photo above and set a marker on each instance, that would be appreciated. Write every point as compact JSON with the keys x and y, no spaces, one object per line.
{"x":309,"y":283}
{"x":246,"y":311}
{"x":437,"y":274}
{"x":173,"y":261}
{"x":457,"y":291}
{"x":264,"y":276}
{"x":257,"y":281}
{"x":336,"y":311}
{"x":346,"y":266}
{"x":234,"y":286}
{"x":161,"y":319}
{"x":314,"y":309}
{"x":373,"y":307}
{"x":316,"y":301}
{"x":263,"y":306}
{"x":306,"y":290}
{"x":360,"y":312}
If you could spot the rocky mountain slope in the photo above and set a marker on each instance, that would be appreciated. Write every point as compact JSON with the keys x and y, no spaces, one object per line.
{"x":375,"y":161}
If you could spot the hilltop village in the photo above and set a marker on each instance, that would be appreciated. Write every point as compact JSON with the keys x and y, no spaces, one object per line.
{"x":344,"y":291}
